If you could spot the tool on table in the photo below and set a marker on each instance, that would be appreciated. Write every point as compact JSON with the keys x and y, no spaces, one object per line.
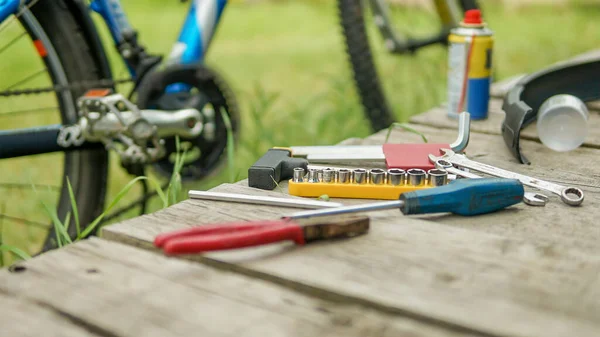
{"x":363,"y":183}
{"x":240,"y":234}
{"x":470,"y":66}
{"x":401,"y":156}
{"x":462,"y":196}
{"x":274,"y":166}
{"x":278,"y":164}
{"x":570,"y":195}
{"x":529,"y":198}
{"x":262,"y":200}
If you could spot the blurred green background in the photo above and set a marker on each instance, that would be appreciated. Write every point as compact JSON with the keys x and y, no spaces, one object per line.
{"x":286,"y":63}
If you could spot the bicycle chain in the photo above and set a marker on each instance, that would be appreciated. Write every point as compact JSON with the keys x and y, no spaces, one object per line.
{"x":80,"y":85}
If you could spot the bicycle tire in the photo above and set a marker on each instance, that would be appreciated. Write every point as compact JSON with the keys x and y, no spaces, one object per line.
{"x":375,"y":105}
{"x":87,"y":170}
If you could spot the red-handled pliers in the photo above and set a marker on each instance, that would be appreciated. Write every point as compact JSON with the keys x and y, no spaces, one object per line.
{"x":235,"y":235}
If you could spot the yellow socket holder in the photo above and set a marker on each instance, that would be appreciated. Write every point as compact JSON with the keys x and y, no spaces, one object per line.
{"x":351,"y":190}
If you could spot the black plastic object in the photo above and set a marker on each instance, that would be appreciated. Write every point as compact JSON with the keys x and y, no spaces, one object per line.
{"x":206,"y":91}
{"x":274,"y":166}
{"x":521,"y":104}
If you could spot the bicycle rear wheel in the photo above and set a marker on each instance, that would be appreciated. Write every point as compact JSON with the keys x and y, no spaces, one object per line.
{"x":394,"y":86}
{"x":59,"y":55}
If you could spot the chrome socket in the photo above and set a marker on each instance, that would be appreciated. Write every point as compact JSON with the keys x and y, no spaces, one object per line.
{"x":313,"y":176}
{"x":329,"y":176}
{"x":344,"y":176}
{"x":437,"y":177}
{"x":377,"y":176}
{"x":298,"y":175}
{"x":417,"y":177}
{"x":396,"y":177}
{"x":360,"y":176}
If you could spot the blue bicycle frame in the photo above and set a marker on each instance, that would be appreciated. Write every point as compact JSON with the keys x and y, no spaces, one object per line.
{"x":190,"y":48}
{"x":194,"y":39}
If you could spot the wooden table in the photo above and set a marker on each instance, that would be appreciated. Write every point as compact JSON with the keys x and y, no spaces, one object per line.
{"x":524,"y":271}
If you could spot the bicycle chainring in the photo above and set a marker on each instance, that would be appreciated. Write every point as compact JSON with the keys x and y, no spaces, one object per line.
{"x":192,"y":86}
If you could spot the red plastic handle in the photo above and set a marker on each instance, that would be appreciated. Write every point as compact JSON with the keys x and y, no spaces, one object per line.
{"x":258,"y":234}
{"x":229,"y":227}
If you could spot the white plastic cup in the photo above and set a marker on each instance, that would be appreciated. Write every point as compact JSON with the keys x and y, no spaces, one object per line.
{"x":562,"y":122}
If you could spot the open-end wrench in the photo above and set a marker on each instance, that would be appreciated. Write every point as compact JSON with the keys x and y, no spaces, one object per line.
{"x":570,"y":195}
{"x":529,"y":198}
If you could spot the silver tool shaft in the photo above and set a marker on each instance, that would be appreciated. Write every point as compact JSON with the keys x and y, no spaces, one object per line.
{"x":371,"y":153}
{"x":262,"y":200}
{"x":570,"y":195}
{"x":349,"y":209}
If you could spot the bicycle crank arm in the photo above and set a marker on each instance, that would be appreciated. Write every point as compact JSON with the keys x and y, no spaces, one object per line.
{"x":185,"y":123}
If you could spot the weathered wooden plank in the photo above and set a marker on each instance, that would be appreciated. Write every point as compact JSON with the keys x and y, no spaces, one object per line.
{"x":436,"y":117}
{"x":20,"y":317}
{"x":482,"y":282}
{"x":118,"y":290}
{"x":523,"y":271}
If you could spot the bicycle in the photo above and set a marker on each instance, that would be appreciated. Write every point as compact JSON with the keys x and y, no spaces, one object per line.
{"x":390,"y":18}
{"x":176,"y":96}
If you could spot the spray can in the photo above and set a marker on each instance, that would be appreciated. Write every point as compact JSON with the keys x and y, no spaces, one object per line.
{"x":470,"y":66}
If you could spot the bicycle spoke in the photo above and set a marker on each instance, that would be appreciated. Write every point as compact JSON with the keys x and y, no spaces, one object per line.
{"x":26,"y":79}
{"x":28,"y":111}
{"x":25,"y":221}
{"x":13,"y":41}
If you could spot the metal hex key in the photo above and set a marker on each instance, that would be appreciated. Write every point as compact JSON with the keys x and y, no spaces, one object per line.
{"x":570,"y":195}
{"x":262,"y":200}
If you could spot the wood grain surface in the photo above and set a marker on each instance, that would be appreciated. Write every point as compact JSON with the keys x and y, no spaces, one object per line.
{"x":24,"y":317}
{"x":524,"y":271}
{"x":109,"y":289}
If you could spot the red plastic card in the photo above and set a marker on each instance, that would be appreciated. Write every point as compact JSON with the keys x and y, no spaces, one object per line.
{"x":407,"y":156}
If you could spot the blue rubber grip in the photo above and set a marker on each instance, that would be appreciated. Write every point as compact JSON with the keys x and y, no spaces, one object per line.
{"x":464,"y":197}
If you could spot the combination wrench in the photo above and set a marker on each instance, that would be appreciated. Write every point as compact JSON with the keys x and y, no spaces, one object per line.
{"x":570,"y":195}
{"x":529,"y":198}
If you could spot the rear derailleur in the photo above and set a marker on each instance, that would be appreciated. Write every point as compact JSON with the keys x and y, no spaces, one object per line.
{"x":136,"y":135}
{"x":185,"y":101}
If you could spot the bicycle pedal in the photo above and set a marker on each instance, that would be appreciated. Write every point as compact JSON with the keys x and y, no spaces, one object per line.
{"x":363,"y":183}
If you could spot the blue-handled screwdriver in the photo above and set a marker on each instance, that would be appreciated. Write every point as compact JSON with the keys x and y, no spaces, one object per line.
{"x":461,"y":196}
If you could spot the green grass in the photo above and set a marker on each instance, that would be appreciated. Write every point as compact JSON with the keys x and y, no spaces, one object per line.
{"x":286,"y":63}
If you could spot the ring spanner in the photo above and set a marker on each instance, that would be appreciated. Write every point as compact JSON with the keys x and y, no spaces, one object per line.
{"x":529,"y":198}
{"x":572,"y":196}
